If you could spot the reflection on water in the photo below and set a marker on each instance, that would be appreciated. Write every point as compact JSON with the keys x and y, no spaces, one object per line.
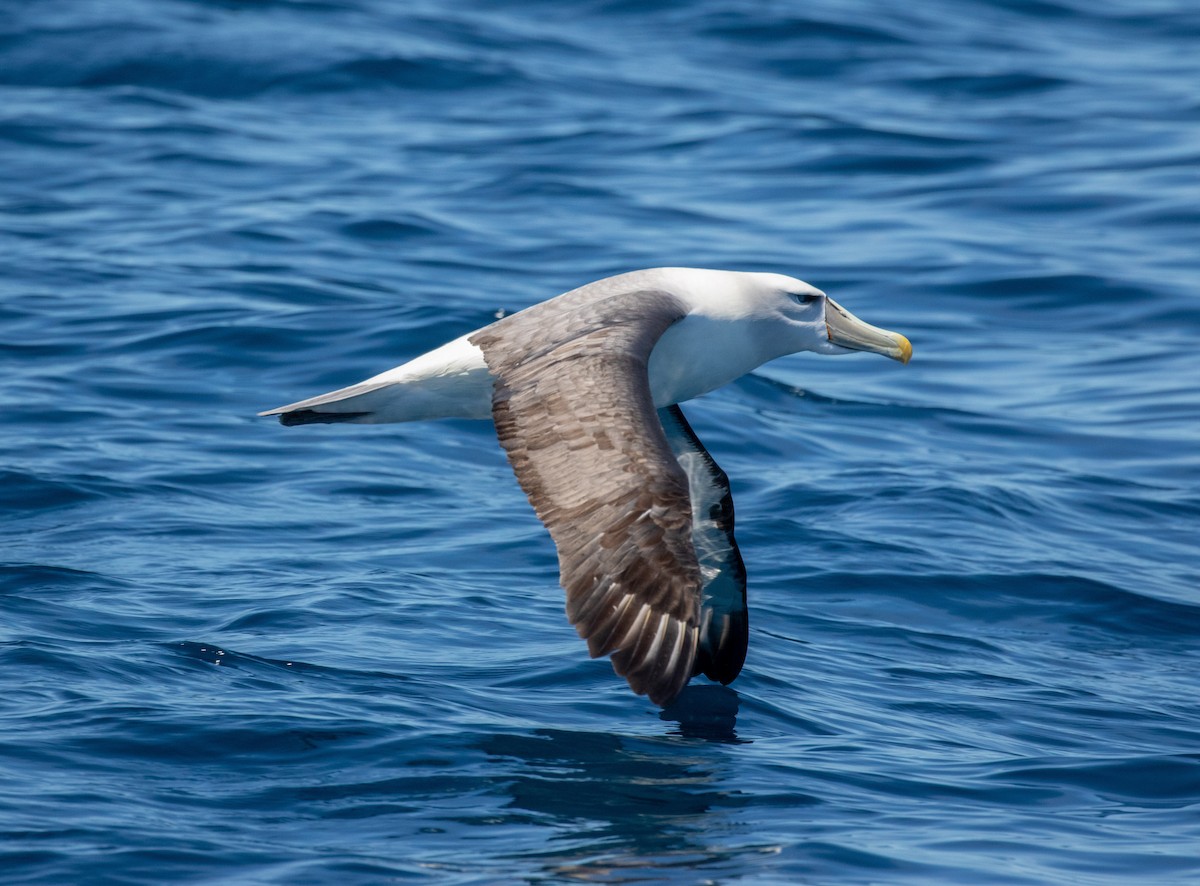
{"x":622,"y":807}
{"x":707,"y":712}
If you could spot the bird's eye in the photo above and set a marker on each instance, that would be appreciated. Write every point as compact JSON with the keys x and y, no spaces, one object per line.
{"x":803,"y":298}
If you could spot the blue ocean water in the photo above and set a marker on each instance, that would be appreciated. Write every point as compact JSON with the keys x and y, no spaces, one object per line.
{"x":233,"y":652}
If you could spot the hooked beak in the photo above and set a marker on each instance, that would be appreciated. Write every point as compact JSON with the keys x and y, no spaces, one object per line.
{"x":847,"y":331}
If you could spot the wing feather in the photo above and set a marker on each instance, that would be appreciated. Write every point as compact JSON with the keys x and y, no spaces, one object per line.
{"x":573,"y":411}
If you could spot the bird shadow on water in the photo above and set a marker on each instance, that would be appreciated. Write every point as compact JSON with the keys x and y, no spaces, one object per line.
{"x":626,"y":807}
{"x":705,"y":712}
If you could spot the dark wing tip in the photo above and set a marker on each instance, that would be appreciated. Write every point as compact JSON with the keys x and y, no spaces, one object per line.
{"x":723,"y":652}
{"x":311,"y":417}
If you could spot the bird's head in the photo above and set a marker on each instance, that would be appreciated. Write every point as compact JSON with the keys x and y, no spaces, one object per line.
{"x":803,"y":318}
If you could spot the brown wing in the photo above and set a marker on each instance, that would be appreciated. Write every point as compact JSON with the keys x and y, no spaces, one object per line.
{"x":573,"y":410}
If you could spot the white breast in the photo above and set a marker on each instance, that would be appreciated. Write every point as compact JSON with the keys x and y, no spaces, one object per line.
{"x":700,"y":354}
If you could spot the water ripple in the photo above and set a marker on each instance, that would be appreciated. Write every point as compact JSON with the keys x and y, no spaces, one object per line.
{"x":972,"y":579}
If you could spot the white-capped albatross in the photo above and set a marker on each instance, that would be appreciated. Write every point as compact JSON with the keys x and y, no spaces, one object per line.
{"x":583,"y":391}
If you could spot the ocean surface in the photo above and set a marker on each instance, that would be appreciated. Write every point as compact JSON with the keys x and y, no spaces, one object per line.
{"x":237,"y":653}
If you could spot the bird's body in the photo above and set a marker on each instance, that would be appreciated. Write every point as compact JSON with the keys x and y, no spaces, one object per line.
{"x":583,"y":389}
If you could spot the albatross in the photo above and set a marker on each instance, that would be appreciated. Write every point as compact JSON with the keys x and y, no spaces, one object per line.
{"x":584,"y":391}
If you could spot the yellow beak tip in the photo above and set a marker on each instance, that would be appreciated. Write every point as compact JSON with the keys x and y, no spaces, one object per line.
{"x":904,"y":349}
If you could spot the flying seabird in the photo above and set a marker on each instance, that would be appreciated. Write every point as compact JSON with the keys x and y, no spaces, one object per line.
{"x":584,"y":392}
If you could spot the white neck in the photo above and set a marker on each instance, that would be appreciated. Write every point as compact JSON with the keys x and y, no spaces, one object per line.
{"x":721,"y":339}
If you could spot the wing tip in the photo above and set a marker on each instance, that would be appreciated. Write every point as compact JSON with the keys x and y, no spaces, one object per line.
{"x":660,"y":671}
{"x":336,"y":406}
{"x":721,"y":657}
{"x":291,"y":417}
